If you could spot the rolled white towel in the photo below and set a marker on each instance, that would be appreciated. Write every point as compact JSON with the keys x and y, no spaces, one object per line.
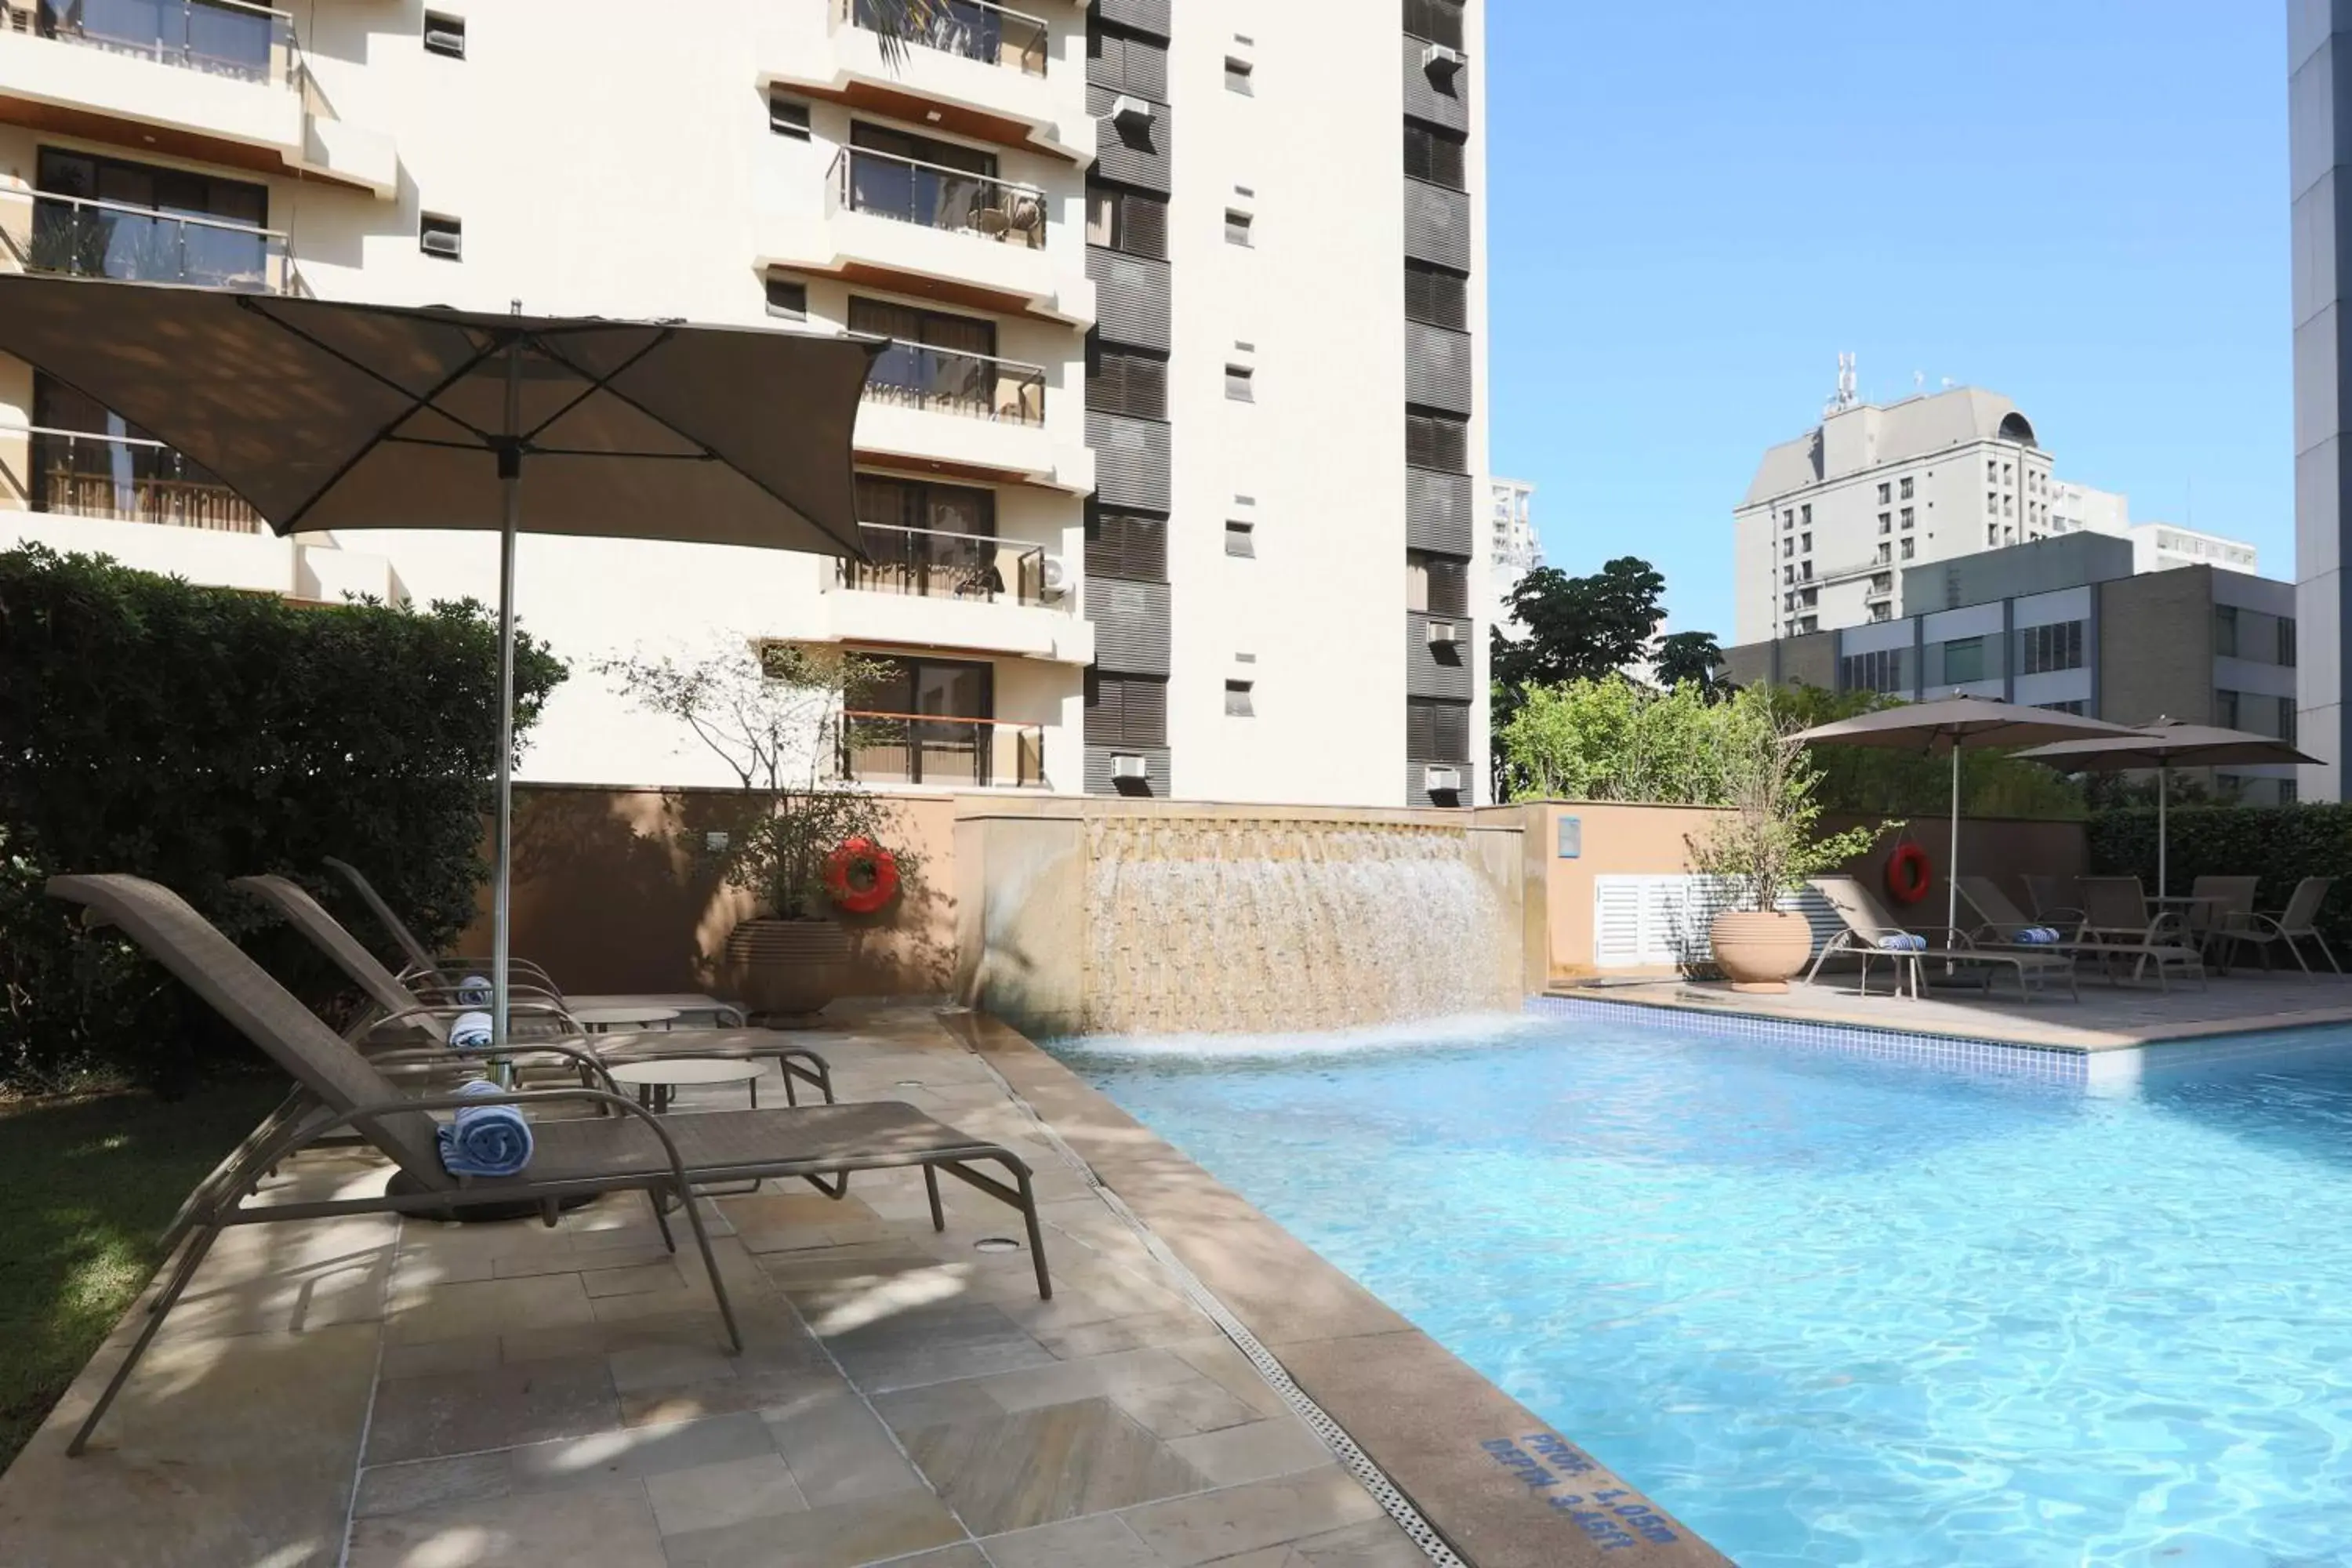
{"x":474,"y":991}
{"x":1902,"y":941}
{"x":472,"y":1032}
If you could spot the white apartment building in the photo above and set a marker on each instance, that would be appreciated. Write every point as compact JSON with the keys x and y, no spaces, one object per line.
{"x":1512,"y":547}
{"x":2155,"y":546}
{"x":1136,"y":476}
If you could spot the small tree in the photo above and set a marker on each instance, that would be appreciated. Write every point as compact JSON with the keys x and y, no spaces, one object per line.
{"x":1693,"y":660}
{"x":1767,"y":846}
{"x":774,"y":713}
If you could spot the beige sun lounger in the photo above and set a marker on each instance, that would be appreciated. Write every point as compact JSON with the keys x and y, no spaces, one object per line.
{"x":432,"y":975}
{"x":1866,"y":924}
{"x":399,"y":1007}
{"x":625,"y":1148}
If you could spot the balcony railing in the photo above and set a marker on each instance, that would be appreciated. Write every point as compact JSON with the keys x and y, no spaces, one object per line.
{"x":971,"y":29}
{"x":218,"y":37}
{"x":930,"y":563}
{"x":124,"y":477}
{"x":932,"y":195}
{"x":914,"y":748}
{"x":916,"y":375}
{"x":90,"y":238}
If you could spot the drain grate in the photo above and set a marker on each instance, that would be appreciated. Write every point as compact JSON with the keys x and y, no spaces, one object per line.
{"x":1334,"y":1436}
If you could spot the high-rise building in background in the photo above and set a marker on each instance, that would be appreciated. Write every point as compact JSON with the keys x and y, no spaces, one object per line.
{"x":1513,"y":550}
{"x":1137,"y":477}
{"x":2319,"y":141}
{"x":1834,"y":520}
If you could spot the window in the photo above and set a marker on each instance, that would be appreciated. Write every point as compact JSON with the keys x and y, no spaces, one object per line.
{"x":1992,"y":470}
{"x":1881,"y":611}
{"x":1435,"y":156}
{"x":1805,"y":570}
{"x":1436,"y":297}
{"x":1787,"y":521}
{"x":1131,"y":548}
{"x":1120,"y":61}
{"x":1963,"y":660}
{"x":1808,"y":597}
{"x":1882,"y":583}
{"x":1910,"y":548}
{"x":1237,"y":699}
{"x":1804,"y":541}
{"x":1885,"y":493}
{"x":1127,"y":221}
{"x":1788,"y":549}
{"x":1788,"y":574}
{"x":1436,"y":731}
{"x":788,"y":117}
{"x":1993,"y":503}
{"x":931,"y":508}
{"x":1906,"y":517}
{"x":1126,"y":710}
{"x":1992,"y":534}
{"x":2225,"y":631}
{"x":2005,"y":475}
{"x":928,"y":698}
{"x":1879,"y":670}
{"x":1434,"y":21}
{"x":441,"y":236}
{"x":1884,"y":555}
{"x":1237,"y":227}
{"x":2286,"y":641}
{"x":2007,"y":506}
{"x":1436,"y":584}
{"x":1237,"y":76}
{"x":1121,"y":381}
{"x":1438,"y":441}
{"x":2046,"y":648}
{"x":1886,"y":522}
{"x":445,"y":36}
{"x":1239,"y":384}
{"x":1806,"y":514}
{"x":787,"y":298}
{"x":1906,"y":487}
{"x":107,"y":242}
{"x":1241,"y":539}
{"x":2074,"y":706}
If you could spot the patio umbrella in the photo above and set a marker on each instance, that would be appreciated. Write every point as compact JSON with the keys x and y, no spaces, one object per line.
{"x":2159,"y":746}
{"x":1946,"y":726}
{"x":327,"y":415}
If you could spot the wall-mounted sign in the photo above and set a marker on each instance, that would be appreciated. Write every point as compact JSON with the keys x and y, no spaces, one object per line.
{"x":1571,"y":838}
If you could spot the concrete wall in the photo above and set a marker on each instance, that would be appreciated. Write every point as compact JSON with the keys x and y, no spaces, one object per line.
{"x":2156,"y":647}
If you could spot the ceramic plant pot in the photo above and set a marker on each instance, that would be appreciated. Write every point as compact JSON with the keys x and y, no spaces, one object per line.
{"x":785,"y":969}
{"x":1759,"y":951}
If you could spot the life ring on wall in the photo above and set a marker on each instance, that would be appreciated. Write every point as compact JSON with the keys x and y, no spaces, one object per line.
{"x":861,"y":875}
{"x":1907,"y":873}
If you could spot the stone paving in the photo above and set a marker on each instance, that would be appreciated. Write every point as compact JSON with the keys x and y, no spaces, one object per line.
{"x":414,"y":1394}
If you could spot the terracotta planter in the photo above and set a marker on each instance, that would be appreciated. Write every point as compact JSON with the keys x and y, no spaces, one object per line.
{"x":1761,"y":952}
{"x":786,"y":968}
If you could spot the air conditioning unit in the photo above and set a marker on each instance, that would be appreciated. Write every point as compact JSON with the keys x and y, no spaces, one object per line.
{"x":440,"y":242}
{"x":1442,"y":61}
{"x":1054,"y":577}
{"x":1445,"y":634}
{"x":1442,"y":781}
{"x":1131,"y":114}
{"x":1129,"y":766}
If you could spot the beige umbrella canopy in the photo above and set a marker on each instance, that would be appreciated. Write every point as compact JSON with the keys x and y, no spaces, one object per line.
{"x":2161,"y":745}
{"x":327,"y":415}
{"x":1945,"y":727}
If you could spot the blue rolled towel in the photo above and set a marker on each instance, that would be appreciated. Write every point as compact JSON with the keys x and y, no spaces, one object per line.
{"x":2037,"y":936}
{"x":1902,"y":941}
{"x":474,"y":991}
{"x":486,"y":1140}
{"x":472,"y":1032}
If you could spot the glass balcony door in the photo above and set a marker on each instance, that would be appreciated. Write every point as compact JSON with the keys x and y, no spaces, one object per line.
{"x":90,"y":461}
{"x":219,"y":38}
{"x":117,"y":219}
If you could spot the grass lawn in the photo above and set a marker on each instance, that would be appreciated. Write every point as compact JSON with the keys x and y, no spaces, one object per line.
{"x":86,"y":1184}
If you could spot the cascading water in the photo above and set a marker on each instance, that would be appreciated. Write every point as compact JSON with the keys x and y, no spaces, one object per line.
{"x":1241,"y":925}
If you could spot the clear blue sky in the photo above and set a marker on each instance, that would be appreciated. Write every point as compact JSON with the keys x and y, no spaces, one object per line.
{"x":2082,"y":203}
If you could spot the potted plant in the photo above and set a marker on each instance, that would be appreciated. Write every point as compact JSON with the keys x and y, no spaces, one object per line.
{"x":773,"y":713}
{"x":1766,"y":847}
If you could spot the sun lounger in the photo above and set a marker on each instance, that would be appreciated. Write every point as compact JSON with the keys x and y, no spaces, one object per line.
{"x":2117,"y":924}
{"x":399,"y":1007}
{"x":2050,"y":904}
{"x":629,"y":1149}
{"x":1869,"y":929}
{"x":2295,"y":924}
{"x":435,"y":977}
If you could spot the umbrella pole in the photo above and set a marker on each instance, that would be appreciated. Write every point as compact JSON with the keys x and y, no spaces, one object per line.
{"x":501,"y":895}
{"x":2163,"y":794}
{"x":1952,"y":864}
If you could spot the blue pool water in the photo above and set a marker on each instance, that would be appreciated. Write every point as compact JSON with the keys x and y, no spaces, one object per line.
{"x":1835,"y":1310}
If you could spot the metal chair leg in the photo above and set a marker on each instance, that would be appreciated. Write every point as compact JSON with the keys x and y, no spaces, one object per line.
{"x":1036,"y":1232}
{"x":710,"y":1266}
{"x":931,"y":1187}
{"x":653,"y":1201}
{"x":163,"y":1304}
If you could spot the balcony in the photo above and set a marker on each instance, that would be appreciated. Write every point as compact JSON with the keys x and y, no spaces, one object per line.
{"x":922,"y":588}
{"x":221,"y":82}
{"x":963,"y":754}
{"x":85,"y":238}
{"x":976,"y":70}
{"x":967,"y":414}
{"x":934,"y":232}
{"x":123,"y":479}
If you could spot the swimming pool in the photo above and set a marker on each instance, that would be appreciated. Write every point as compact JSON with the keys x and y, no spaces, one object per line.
{"x":1834,"y":1310}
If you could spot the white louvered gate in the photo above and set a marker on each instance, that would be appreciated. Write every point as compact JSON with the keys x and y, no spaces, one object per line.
{"x":1644,"y":922}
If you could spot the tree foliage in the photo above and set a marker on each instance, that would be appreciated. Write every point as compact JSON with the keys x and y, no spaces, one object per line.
{"x":1693,"y":660}
{"x":1578,"y":628}
{"x":1769,"y":842}
{"x":191,"y":736}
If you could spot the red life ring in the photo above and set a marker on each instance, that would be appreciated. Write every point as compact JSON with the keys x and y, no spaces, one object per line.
{"x":1907,"y":873}
{"x":862,"y":876}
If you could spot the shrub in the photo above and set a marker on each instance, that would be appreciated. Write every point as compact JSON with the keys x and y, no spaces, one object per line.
{"x":191,"y":736}
{"x":2279,"y":844}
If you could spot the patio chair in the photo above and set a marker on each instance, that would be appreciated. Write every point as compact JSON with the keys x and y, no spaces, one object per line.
{"x":2117,"y":923}
{"x":398,"y":1007}
{"x":2229,"y":907}
{"x":2295,"y":923}
{"x":627,"y":1149}
{"x":1867,"y":924}
{"x":2052,"y":907}
{"x":431,"y":975}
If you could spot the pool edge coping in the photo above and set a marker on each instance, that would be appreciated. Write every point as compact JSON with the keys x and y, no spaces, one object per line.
{"x":1488,"y":1475}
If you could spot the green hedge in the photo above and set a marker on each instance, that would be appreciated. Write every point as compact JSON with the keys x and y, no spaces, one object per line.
{"x":2279,"y":844}
{"x":196,"y":734}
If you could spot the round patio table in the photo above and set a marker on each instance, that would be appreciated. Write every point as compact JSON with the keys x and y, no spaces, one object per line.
{"x":657,"y":1080}
{"x":602,"y":1020}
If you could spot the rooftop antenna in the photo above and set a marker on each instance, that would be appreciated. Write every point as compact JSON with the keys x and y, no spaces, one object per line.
{"x":1845,"y":398}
